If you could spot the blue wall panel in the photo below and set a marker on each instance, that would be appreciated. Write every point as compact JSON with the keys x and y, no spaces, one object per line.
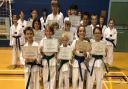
{"x":83,"y":5}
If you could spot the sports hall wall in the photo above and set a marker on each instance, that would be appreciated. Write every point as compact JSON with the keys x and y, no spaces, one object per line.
{"x":92,"y":6}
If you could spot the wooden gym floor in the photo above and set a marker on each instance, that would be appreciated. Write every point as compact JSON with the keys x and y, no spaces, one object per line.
{"x":14,"y":79}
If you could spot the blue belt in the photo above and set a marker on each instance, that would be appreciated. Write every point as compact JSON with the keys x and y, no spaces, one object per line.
{"x":80,"y":59}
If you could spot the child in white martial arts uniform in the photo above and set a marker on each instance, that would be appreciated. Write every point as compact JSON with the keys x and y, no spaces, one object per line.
{"x":68,"y":12}
{"x":34,"y":15}
{"x":102,"y":24}
{"x":38,"y":33}
{"x":89,"y":30}
{"x":43,"y":18}
{"x":110,"y":36}
{"x":68,"y":31}
{"x":22,"y":22}
{"x":97,"y":61}
{"x":31,"y":65}
{"x":16,"y":40}
{"x":64,"y":66}
{"x":49,"y":62}
{"x":81,"y":49}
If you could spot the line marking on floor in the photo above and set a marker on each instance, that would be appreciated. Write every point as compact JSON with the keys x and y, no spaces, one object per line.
{"x":12,"y":70}
{"x":117,"y":81}
{"x":106,"y":87}
{"x":12,"y":79}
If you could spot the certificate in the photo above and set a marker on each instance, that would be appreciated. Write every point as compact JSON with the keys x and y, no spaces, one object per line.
{"x":38,"y":36}
{"x":75,"y":20}
{"x":65,"y":53}
{"x":82,"y":46}
{"x":98,"y":48}
{"x":50,"y":45}
{"x":30,"y":52}
{"x":52,"y":21}
{"x":58,"y":34}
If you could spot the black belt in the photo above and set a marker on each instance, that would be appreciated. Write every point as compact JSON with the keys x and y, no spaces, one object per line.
{"x":17,"y":41}
{"x":31,"y":64}
{"x":48,"y":58}
{"x":62,"y":63}
{"x":112,"y":41}
{"x":98,"y":57}
{"x":81,"y":59}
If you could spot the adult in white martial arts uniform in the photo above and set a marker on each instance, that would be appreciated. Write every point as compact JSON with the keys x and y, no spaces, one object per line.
{"x":55,"y":16}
